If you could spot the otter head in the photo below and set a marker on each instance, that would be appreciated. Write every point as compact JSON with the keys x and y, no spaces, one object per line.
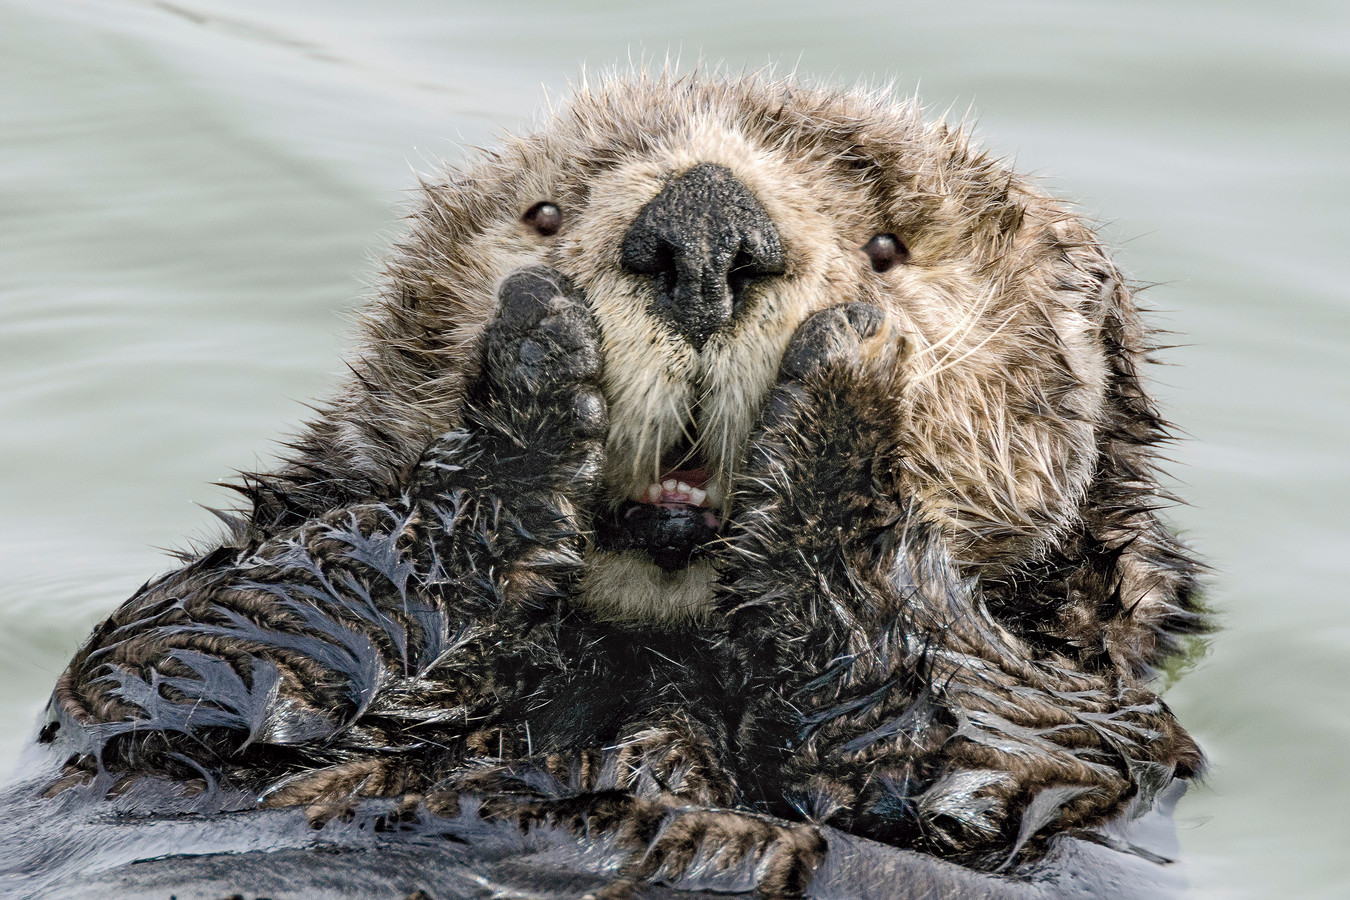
{"x":705,"y":220}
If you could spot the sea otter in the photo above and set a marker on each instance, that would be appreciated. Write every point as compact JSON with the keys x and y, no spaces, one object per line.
{"x":728,"y":464}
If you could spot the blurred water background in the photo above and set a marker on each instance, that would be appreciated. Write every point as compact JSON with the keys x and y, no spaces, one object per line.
{"x":193,"y":195}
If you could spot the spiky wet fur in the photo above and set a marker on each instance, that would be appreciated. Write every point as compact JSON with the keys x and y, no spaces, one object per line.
{"x":943,"y":579}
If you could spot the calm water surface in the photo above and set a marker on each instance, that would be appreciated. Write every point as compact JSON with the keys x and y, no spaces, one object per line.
{"x":193,"y":195}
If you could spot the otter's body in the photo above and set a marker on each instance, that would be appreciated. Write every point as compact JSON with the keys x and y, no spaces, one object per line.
{"x":725,"y":461}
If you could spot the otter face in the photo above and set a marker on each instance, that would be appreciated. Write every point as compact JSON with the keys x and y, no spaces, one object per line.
{"x":705,"y":221}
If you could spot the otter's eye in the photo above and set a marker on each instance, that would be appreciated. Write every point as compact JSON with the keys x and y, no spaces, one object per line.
{"x":544,"y":217}
{"x":885,"y":250}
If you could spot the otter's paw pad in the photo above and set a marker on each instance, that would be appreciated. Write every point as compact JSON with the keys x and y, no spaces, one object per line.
{"x":837,"y":335}
{"x":544,"y":338}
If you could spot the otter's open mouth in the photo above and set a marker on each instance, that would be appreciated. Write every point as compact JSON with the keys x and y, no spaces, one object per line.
{"x":670,"y":519}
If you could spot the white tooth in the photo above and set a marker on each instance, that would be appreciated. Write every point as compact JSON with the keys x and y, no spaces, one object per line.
{"x":683,"y":488}
{"x":669,"y":484}
{"x":697,"y":496}
{"x":654,"y":493}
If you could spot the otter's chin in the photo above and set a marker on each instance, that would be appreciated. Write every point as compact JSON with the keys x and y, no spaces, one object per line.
{"x":671,"y":535}
{"x":650,"y":562}
{"x":626,"y":586}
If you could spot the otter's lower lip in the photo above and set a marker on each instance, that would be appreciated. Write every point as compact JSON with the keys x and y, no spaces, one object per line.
{"x":671,"y":534}
{"x":669,"y":520}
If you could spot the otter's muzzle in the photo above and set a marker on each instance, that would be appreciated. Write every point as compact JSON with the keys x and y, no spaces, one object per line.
{"x":704,"y":240}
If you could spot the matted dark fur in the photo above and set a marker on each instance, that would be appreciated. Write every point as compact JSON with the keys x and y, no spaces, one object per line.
{"x":939,"y":585}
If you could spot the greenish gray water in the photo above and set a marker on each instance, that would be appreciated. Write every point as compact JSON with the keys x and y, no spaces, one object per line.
{"x":193,"y":194}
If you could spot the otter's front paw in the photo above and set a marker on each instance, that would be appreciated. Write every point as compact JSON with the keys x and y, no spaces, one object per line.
{"x":835,"y":350}
{"x":542,"y":355}
{"x":818,"y":489}
{"x":534,"y":418}
{"x":828,"y":425}
{"x":513,"y":489}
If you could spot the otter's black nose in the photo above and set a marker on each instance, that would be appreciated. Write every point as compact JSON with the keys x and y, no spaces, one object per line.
{"x":703,"y":240}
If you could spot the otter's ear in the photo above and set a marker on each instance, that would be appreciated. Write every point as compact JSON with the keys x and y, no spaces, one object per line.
{"x":1131,"y":586}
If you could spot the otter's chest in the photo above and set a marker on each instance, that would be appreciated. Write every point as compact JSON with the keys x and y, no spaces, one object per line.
{"x":613,"y":677}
